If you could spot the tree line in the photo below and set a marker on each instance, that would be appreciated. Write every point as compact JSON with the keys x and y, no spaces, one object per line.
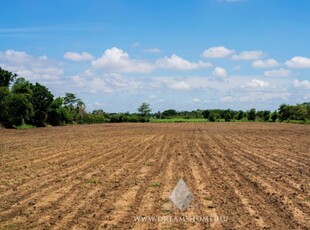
{"x":299,"y":113}
{"x":22,"y":102}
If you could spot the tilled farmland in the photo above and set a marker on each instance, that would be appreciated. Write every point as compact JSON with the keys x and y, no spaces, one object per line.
{"x":120,"y":176}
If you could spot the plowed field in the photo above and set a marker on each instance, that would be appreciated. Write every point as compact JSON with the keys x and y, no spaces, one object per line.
{"x":120,"y":176}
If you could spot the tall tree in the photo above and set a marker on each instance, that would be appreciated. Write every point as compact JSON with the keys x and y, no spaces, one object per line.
{"x":144,"y":109}
{"x":58,"y":114}
{"x":4,"y":92}
{"x":19,"y":109}
{"x":6,"y":78}
{"x":252,"y":115}
{"x":18,"y":104}
{"x":70,"y":100}
{"x":41,"y":99}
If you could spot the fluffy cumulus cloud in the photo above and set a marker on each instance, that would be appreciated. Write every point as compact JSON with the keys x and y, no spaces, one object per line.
{"x":305,"y":84}
{"x":255,"y":84}
{"x":78,"y":56}
{"x":178,"y":63}
{"x":248,"y":55}
{"x":33,"y":68}
{"x":257,"y":91}
{"x":105,"y":83}
{"x":108,"y":74}
{"x":217,"y":52}
{"x":298,"y":62}
{"x":219,"y":72}
{"x":278,"y":73}
{"x":265,"y":63}
{"x":116,"y":60}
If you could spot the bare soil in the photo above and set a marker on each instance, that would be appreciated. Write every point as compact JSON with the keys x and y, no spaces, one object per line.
{"x":242,"y":176}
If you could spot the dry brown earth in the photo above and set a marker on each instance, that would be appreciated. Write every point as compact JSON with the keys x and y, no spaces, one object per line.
{"x":252,"y":175}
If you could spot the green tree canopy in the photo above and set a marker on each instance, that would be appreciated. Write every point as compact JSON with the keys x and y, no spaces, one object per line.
{"x":169,"y":113}
{"x":19,"y":109}
{"x":252,"y":115}
{"x":144,"y":109}
{"x":41,"y":100}
{"x":6,"y":78}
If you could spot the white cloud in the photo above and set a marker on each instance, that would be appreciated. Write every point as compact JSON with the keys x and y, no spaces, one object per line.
{"x":78,"y":56}
{"x":116,"y":60}
{"x":106,"y":83}
{"x":248,"y":55}
{"x":227,"y":99}
{"x":217,"y":52}
{"x":278,"y":73}
{"x":305,"y":84}
{"x":180,"y":85}
{"x":32,"y":68}
{"x":219,"y":72}
{"x":15,"y":56}
{"x":298,"y":62}
{"x":255,"y":84}
{"x":265,"y":63}
{"x":78,"y":81}
{"x":196,"y":100}
{"x":178,"y":63}
{"x":153,"y":50}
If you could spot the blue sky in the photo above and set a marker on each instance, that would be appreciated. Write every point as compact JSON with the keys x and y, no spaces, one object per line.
{"x":176,"y":54}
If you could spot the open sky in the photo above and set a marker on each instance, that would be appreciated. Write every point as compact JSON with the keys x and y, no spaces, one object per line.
{"x":181,"y":54}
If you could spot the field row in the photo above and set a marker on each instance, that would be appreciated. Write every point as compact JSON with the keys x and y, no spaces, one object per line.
{"x":113,"y":175}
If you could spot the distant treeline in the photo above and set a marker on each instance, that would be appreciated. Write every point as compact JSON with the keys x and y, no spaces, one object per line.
{"x":299,"y":113}
{"x":23,"y":103}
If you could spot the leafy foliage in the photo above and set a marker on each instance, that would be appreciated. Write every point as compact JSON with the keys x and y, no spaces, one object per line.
{"x":144,"y":109}
{"x":6,"y":78}
{"x":252,"y":115}
{"x":41,"y":99}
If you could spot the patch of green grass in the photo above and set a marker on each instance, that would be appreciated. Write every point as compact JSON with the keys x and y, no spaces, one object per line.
{"x":93,"y":181}
{"x":306,"y":122}
{"x":25,"y":126}
{"x":154,"y":184}
{"x":178,"y":120}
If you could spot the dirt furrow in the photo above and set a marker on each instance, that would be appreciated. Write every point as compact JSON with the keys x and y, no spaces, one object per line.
{"x":280,"y":213}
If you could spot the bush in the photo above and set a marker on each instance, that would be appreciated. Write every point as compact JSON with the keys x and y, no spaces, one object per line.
{"x":94,"y":119}
{"x":118,"y":118}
